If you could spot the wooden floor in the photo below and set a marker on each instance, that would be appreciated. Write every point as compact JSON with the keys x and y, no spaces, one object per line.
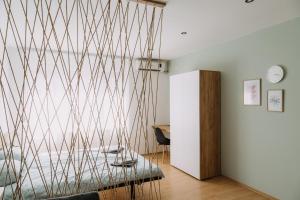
{"x":179,"y":186}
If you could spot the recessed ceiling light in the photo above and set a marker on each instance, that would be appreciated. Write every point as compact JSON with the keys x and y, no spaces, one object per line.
{"x":183,"y":33}
{"x":249,"y":1}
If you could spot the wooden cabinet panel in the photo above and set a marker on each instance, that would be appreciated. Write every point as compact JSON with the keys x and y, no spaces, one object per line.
{"x":210,"y":124}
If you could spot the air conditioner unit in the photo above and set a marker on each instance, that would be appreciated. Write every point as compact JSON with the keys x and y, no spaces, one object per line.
{"x":152,"y":65}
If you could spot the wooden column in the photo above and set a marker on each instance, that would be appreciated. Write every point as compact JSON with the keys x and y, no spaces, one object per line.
{"x":210,"y":124}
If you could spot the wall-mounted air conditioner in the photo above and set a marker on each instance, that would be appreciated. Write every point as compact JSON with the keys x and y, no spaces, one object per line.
{"x":152,"y":65}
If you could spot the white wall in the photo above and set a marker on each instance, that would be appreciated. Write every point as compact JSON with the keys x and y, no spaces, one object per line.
{"x":161,"y":105}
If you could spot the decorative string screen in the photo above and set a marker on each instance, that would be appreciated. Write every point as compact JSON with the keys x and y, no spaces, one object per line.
{"x":71,"y":91}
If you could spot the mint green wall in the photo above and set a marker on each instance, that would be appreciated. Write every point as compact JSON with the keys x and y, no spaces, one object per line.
{"x":259,"y":148}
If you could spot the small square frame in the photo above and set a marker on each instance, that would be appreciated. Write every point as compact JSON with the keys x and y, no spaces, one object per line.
{"x":275,"y":100}
{"x":252,"y":98}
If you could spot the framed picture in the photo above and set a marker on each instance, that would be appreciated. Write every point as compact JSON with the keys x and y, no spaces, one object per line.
{"x":275,"y":100}
{"x":252,"y":92}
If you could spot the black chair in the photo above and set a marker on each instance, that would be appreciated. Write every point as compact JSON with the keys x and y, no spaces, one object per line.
{"x":162,"y":140}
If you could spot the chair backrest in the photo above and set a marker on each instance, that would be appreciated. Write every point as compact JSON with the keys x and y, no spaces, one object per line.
{"x":160,"y":137}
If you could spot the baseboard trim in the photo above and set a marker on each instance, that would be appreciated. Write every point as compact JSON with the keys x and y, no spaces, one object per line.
{"x":253,"y":189}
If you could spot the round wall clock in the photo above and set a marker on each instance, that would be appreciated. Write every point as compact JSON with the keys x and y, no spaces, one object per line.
{"x":275,"y":74}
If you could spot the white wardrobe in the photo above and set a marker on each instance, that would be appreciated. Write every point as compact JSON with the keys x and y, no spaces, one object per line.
{"x":195,"y":123}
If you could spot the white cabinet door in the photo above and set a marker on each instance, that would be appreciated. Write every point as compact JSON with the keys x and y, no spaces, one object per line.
{"x":185,"y":122}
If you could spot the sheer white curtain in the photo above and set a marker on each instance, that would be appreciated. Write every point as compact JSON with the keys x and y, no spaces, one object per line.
{"x":57,"y":105}
{"x":61,"y":105}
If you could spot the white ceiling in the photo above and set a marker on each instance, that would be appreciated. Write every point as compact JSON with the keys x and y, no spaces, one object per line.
{"x":207,"y":22}
{"x":212,"y":22}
